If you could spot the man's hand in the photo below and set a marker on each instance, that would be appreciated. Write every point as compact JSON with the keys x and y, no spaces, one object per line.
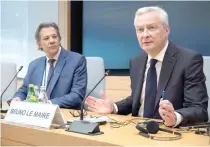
{"x":99,"y":105}
{"x":167,"y":112}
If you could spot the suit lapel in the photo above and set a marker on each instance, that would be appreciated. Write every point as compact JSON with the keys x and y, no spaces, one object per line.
{"x":58,"y":68}
{"x":40,"y":70}
{"x":140,"y":79}
{"x":166,"y":70}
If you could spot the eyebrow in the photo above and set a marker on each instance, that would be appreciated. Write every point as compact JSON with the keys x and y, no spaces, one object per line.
{"x":147,"y":25}
{"x":50,"y":35}
{"x":152,"y":24}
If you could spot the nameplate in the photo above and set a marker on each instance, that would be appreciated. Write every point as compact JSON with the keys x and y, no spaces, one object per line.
{"x":34,"y":114}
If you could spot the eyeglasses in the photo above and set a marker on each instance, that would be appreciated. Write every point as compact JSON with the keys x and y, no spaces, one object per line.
{"x":77,"y":113}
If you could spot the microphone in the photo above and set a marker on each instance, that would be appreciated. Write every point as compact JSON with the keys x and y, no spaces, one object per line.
{"x":85,"y":127}
{"x":140,"y":128}
{"x":8,"y":87}
{"x":152,"y":127}
{"x":83,"y":102}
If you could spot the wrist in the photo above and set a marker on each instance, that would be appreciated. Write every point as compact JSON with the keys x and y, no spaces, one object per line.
{"x":113,"y":109}
{"x":175,"y":120}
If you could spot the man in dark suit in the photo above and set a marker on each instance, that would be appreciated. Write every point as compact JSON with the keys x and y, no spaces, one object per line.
{"x":62,"y":72}
{"x":167,"y":81}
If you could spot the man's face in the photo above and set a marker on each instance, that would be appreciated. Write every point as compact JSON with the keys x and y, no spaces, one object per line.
{"x":151,"y":32}
{"x":49,"y":41}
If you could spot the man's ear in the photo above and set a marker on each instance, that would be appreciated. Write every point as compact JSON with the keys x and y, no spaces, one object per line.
{"x":39,"y":44}
{"x":168,"y":29}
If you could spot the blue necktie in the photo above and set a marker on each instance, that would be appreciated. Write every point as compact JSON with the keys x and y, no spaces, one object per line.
{"x":50,"y":73}
{"x":150,"y":90}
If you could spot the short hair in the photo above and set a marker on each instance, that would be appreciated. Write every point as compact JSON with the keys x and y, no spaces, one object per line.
{"x":163,"y":14}
{"x":46,"y":25}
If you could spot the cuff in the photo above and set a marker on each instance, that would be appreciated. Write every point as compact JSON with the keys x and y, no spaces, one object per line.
{"x":179,"y":118}
{"x":115,"y":108}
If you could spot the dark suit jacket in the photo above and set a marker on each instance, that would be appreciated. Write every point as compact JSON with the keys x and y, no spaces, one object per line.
{"x":68,"y":82}
{"x":181,"y":77}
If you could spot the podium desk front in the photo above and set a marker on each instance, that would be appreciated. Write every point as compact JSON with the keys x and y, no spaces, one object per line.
{"x":16,"y":135}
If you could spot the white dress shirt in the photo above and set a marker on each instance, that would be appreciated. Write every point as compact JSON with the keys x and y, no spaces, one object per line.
{"x":47,"y":67}
{"x":158,"y":66}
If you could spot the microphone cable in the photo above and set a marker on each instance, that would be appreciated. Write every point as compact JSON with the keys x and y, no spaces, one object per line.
{"x":112,"y":122}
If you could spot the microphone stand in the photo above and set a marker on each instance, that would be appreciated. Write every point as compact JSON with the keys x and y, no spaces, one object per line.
{"x":85,"y":127}
{"x":6,"y":90}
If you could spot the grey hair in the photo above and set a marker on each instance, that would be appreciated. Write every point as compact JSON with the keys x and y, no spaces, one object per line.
{"x":46,"y":25}
{"x":163,"y":14}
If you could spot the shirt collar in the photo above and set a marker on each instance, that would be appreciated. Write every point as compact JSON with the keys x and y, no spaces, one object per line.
{"x":56,"y":56}
{"x":161,"y":55}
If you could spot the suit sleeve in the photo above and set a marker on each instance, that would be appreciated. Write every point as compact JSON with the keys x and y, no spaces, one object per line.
{"x":23,"y":90}
{"x":78,"y":89}
{"x":195,"y":93}
{"x":125,"y":106}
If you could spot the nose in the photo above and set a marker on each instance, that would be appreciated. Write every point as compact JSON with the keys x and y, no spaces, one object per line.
{"x":52,"y":40}
{"x":145,"y":34}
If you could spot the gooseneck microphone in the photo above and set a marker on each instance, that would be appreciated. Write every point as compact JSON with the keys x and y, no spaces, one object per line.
{"x":82,"y":126}
{"x":8,"y":86}
{"x":83,"y":102}
{"x":152,"y":127}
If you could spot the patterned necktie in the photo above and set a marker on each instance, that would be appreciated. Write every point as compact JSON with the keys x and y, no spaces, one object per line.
{"x":50,"y":73}
{"x":150,"y":90}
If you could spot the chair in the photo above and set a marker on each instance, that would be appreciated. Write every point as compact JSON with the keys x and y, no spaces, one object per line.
{"x":206,"y":70}
{"x":95,"y":71}
{"x":8,"y":71}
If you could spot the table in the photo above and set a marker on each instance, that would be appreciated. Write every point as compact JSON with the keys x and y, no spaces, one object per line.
{"x":13,"y":134}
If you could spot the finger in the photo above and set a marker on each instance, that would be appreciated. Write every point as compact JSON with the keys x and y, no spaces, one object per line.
{"x":87,"y":101}
{"x":93,"y":109}
{"x":102,"y":93}
{"x":96,"y":104}
{"x":91,"y":104}
{"x":170,"y":115}
{"x":166,"y":105}
{"x":161,"y":103}
{"x":166,"y":112}
{"x":161,"y":112}
{"x":91,"y":99}
{"x":163,"y":115}
{"x":167,"y":119}
{"x":165,"y":102}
